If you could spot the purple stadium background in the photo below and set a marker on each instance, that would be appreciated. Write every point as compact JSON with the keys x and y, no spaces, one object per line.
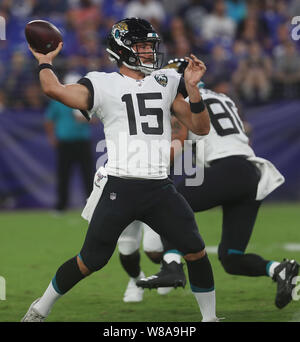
{"x":253,"y":31}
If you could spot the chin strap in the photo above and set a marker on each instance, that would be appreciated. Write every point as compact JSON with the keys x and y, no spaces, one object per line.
{"x":144,"y":70}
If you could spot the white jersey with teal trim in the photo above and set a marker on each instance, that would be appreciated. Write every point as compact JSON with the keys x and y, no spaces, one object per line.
{"x":227,"y":134}
{"x":136,"y":118}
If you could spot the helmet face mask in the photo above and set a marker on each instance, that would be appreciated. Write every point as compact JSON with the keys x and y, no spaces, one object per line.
{"x":124,"y":43}
{"x":179,"y":64}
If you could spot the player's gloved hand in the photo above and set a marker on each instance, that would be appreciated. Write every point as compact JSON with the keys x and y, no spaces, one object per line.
{"x":48,"y":58}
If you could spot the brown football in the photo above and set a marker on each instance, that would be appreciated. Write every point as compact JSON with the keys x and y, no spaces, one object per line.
{"x":42,"y":36}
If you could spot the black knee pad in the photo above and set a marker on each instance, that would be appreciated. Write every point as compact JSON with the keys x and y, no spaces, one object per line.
{"x":251,"y":265}
{"x":94,"y":261}
{"x":67,"y":275}
{"x":231,"y":263}
{"x":131,"y":263}
{"x":200,"y":274}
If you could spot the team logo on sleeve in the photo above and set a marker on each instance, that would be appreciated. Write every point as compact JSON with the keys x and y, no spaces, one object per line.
{"x":161,"y":79}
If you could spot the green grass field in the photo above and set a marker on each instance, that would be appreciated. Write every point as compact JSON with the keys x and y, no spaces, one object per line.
{"x":33,"y":244}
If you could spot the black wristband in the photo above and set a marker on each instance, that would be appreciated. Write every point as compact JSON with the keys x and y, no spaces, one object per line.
{"x":197,"y":107}
{"x":45,"y":66}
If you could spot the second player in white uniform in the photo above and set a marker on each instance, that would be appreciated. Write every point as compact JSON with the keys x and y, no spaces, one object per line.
{"x":238,"y":181}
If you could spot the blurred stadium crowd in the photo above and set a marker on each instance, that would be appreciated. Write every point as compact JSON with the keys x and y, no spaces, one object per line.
{"x":246,"y":44}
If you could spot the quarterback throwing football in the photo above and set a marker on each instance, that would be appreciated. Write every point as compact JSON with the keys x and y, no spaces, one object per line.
{"x":133,"y":104}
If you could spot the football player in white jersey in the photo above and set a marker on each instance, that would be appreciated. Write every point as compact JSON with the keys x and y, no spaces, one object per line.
{"x":134,"y":106}
{"x":238,"y":181}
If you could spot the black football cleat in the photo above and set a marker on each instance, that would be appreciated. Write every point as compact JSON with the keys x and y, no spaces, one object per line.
{"x":283,"y":275}
{"x":170,"y":275}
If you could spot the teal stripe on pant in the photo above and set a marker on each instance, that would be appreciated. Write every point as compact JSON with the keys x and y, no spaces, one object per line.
{"x":199,"y":289}
{"x":55,"y":286}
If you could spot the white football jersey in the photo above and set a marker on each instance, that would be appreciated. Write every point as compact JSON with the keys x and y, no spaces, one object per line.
{"x":227,"y":134}
{"x":136,"y":118}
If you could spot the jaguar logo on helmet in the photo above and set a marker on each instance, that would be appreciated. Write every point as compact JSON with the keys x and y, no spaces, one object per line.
{"x":119,"y":30}
{"x":122,"y":26}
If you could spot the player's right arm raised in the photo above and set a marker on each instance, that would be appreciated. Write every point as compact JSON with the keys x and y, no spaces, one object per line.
{"x":72,"y":95}
{"x":198,"y":121}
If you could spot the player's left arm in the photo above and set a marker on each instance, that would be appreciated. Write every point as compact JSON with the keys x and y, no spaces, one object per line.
{"x":198,"y":122}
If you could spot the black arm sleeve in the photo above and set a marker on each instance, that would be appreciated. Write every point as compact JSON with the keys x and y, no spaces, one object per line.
{"x":181,"y":88}
{"x":87,"y":83}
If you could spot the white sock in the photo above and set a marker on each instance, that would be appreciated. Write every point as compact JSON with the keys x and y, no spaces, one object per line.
{"x":140,"y":276}
{"x":272,"y":267}
{"x":207,"y":305}
{"x":44,"y":305}
{"x":169,"y":257}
